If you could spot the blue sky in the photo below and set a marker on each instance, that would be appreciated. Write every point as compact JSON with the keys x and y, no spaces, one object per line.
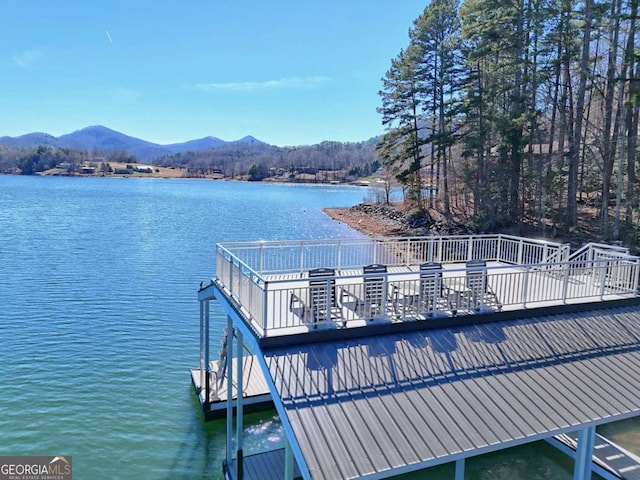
{"x":287,"y":72}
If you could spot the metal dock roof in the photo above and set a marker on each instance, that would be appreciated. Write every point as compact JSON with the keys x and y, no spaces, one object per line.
{"x":383,"y":405}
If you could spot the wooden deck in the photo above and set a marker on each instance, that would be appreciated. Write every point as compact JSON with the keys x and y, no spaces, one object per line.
{"x":255,"y":390}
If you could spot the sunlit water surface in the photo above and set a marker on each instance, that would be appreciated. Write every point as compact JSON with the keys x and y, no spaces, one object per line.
{"x":99,"y":322}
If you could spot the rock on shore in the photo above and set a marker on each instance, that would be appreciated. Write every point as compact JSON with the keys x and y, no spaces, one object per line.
{"x":391,"y":221}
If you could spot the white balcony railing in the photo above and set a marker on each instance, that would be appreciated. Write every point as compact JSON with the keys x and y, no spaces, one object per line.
{"x":269,"y":281}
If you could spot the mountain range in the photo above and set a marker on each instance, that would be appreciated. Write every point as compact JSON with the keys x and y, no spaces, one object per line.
{"x":104,"y":138}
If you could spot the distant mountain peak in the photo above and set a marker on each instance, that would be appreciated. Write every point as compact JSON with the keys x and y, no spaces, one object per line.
{"x":105,"y":138}
{"x":249,"y":139}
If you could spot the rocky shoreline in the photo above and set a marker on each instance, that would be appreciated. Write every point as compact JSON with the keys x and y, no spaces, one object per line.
{"x":392,"y":221}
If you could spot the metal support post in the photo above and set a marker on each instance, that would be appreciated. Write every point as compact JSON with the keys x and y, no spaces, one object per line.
{"x":229,"y":390}
{"x":584,"y":454}
{"x":207,"y":362}
{"x":460,"y":469}
{"x":202,"y":365}
{"x":288,"y":460}
{"x":240,"y":406}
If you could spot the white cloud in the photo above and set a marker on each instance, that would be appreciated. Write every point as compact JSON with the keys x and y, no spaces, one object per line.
{"x":27,"y":58}
{"x":283,"y":83}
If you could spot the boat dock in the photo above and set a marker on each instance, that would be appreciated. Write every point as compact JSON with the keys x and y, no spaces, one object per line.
{"x":389,"y":356}
{"x":256,"y":392}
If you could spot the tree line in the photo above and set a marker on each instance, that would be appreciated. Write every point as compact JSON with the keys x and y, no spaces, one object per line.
{"x":33,"y":160}
{"x":518,"y":110}
{"x":259,"y":160}
{"x":253,"y":161}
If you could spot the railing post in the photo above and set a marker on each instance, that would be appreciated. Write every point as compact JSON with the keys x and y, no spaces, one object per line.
{"x":499,"y":248}
{"x":520,"y":248}
{"x":565,"y":282}
{"x":407,"y":258}
{"x":301,"y":256}
{"x":376,"y":244}
{"x":603,"y":265}
{"x":231,"y":276}
{"x":339,"y":255}
{"x":525,"y":288}
{"x":329,"y":304}
{"x":261,"y":258}
{"x":265,"y":309}
{"x":470,"y":248}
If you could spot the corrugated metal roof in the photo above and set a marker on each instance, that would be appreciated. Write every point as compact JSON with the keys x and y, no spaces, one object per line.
{"x":371,"y":406}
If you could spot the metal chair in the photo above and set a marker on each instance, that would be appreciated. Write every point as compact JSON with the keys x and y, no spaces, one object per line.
{"x":431,"y":297}
{"x":375,"y":291}
{"x":479,"y":293}
{"x":322,"y":295}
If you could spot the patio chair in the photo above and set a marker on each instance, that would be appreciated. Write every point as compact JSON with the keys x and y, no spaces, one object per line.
{"x":375,"y":291}
{"x":322,"y":295}
{"x":317,"y":302}
{"x":479,"y":293}
{"x":432,"y":297}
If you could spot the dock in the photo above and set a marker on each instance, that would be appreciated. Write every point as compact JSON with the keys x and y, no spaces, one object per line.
{"x":256,"y":394}
{"x":389,"y":356}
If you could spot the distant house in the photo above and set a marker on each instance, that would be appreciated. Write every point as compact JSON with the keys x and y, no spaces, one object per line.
{"x":123,"y":171}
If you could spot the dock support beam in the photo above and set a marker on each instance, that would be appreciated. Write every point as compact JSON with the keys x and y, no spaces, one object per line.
{"x":207,"y":358}
{"x":583,"y":465}
{"x":240,"y":406}
{"x":229,"y":390}
{"x":460,"y":469}
{"x":288,"y":460}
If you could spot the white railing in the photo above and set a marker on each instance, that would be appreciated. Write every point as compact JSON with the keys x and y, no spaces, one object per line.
{"x":288,"y":306}
{"x":275,"y":297}
{"x":285,"y":257}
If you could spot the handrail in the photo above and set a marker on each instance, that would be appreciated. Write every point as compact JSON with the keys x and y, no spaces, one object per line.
{"x":273,"y":257}
{"x":265,"y":299}
{"x":590,"y":246}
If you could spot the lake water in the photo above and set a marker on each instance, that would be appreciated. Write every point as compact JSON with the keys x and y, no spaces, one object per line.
{"x":99,"y":322}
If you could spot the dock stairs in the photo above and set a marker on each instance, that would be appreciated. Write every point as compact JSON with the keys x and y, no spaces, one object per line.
{"x":610,"y":461}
